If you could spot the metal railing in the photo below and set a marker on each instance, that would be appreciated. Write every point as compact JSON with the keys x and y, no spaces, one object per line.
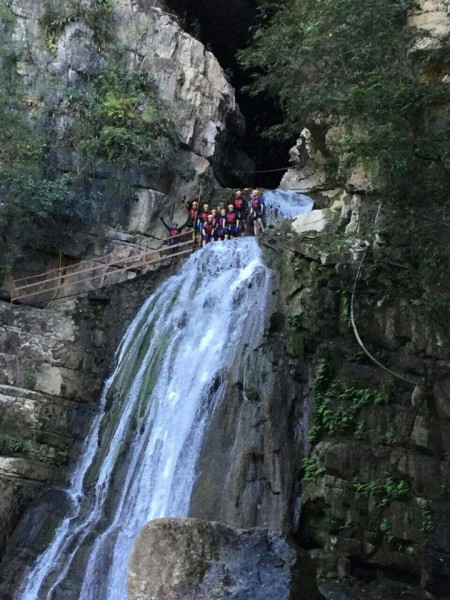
{"x":107,"y":270}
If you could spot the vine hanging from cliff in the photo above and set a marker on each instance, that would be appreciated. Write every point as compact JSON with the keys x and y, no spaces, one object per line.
{"x":357,"y":67}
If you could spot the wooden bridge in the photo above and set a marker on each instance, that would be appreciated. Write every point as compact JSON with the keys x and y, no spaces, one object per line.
{"x":88,"y":275}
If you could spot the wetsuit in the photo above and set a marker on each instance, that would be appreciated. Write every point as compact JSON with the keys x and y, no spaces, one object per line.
{"x":202,"y":217}
{"x":192,"y":219}
{"x":221,"y":226}
{"x":208,"y":230}
{"x":240,"y":208}
{"x":257,"y":210}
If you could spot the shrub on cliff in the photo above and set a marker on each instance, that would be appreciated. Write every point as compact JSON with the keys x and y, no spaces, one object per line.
{"x":351,"y":62}
{"x":356,"y":64}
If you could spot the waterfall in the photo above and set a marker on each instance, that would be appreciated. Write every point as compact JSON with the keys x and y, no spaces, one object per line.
{"x":285,"y":204}
{"x":138,"y":461}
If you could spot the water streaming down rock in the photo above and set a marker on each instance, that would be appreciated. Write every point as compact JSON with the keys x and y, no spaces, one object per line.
{"x":285,"y":204}
{"x":139,"y":460}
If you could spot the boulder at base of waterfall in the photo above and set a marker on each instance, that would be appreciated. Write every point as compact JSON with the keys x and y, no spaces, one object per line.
{"x":316,"y":220}
{"x":191,"y":559}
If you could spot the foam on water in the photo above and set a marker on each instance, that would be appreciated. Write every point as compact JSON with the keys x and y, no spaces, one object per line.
{"x":141,"y":453}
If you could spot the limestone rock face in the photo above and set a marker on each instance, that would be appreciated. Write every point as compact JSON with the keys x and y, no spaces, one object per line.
{"x":316,"y":220}
{"x":309,"y":173}
{"x":433,"y":18}
{"x":56,"y":59}
{"x":403,"y":439}
{"x":254,"y":443}
{"x":189,"y":78}
{"x":190,"y":559}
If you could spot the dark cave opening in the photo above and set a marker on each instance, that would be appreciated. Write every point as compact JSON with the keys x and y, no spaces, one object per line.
{"x":225,"y":26}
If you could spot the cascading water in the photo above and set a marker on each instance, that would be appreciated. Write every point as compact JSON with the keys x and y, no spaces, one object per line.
{"x":285,"y":204}
{"x":139,"y":460}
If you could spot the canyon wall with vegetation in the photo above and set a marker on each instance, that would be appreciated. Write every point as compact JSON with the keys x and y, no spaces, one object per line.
{"x":348,"y":458}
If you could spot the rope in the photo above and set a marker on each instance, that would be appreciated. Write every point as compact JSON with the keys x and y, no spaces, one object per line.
{"x":355,"y":329}
{"x":268,"y":170}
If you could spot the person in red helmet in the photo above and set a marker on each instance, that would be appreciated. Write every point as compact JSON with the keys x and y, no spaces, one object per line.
{"x":241,"y":210}
{"x":174,"y":233}
{"x":257,"y":210}
{"x":231,"y":223}
{"x":208,"y":230}
{"x":193,"y":213}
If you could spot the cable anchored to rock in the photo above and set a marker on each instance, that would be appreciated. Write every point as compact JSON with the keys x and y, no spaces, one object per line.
{"x":356,"y":332}
{"x":266,"y":170}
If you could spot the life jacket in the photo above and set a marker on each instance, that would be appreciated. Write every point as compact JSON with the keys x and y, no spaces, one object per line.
{"x":193,"y":213}
{"x":174,"y":231}
{"x":256,"y":203}
{"x":222,"y":220}
{"x":208,"y":228}
{"x":239,"y":203}
{"x":204,"y":216}
{"x":231,"y":218}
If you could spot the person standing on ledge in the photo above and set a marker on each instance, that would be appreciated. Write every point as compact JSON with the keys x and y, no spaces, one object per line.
{"x":240,"y":207}
{"x":257,"y":211}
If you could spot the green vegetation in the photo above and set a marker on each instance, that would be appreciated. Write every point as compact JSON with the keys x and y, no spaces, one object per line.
{"x":29,"y":381}
{"x":312,"y":468}
{"x":386,"y":529}
{"x":62,"y":457}
{"x":126,"y":121}
{"x":427,"y":520}
{"x":350,"y":65}
{"x":41,"y":205}
{"x":389,"y":436}
{"x":361,"y":431}
{"x":386,"y":489}
{"x":338,"y":405}
{"x":57,"y":16}
{"x":13,"y":445}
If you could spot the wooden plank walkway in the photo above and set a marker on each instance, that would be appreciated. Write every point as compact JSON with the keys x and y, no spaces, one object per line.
{"x":88,"y":275}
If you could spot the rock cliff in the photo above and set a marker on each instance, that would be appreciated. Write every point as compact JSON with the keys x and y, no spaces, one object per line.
{"x":375,"y":478}
{"x":62,"y":51}
{"x":376,"y":481}
{"x":53,"y":363}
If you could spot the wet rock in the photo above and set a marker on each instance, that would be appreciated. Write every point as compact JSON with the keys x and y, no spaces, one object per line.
{"x":190,"y":559}
{"x":317,"y":220}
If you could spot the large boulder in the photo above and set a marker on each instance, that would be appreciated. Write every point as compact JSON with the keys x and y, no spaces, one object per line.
{"x":191,"y":559}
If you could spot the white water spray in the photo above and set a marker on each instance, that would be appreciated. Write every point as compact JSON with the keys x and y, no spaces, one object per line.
{"x":139,"y":460}
{"x":285,"y":204}
{"x":141,"y":453}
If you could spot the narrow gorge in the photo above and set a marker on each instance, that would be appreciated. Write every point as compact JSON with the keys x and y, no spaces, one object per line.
{"x":267,"y":417}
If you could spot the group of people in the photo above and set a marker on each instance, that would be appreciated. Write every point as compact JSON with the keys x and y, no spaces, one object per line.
{"x":223,"y":222}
